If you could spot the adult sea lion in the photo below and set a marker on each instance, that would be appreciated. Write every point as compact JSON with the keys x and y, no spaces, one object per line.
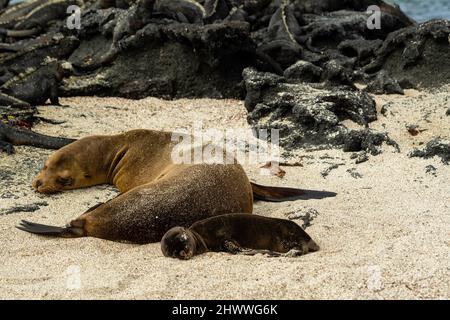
{"x":238,"y":233}
{"x":156,"y":193}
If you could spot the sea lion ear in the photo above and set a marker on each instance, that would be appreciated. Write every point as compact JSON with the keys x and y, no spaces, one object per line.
{"x":65,"y":174}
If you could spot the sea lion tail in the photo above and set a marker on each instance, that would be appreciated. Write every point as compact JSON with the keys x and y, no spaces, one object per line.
{"x":69,"y":231}
{"x":280,"y":194}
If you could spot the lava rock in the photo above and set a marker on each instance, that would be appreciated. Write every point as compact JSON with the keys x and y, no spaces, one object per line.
{"x":367,"y":140}
{"x":360,"y":157}
{"x":386,"y":109}
{"x":418,"y":54}
{"x":383,"y":83}
{"x":435,"y":147}
{"x":354,"y":173}
{"x":327,"y":171}
{"x":305,"y":216}
{"x":362,"y":49}
{"x":303,"y":71}
{"x":171,"y":61}
{"x":156,"y":55}
{"x":430,"y":169}
{"x":25,"y":208}
{"x":307,"y":116}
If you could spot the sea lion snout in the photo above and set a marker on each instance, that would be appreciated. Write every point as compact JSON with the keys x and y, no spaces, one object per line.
{"x":43,"y":185}
{"x":37,"y":183}
{"x":313,"y":246}
{"x":50,"y":182}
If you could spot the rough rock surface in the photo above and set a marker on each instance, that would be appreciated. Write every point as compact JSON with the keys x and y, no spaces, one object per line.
{"x":436,"y":147}
{"x":383,"y":83}
{"x":418,"y":55}
{"x":168,"y":60}
{"x":157,"y":55}
{"x":311,"y":116}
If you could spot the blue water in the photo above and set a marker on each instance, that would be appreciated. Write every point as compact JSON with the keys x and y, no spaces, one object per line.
{"x":419,"y":10}
{"x":423,"y":10}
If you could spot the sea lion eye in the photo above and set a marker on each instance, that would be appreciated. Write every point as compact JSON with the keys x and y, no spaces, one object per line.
{"x":64,"y":181}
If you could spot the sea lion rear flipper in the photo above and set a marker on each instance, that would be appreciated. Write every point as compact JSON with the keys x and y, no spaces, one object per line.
{"x":252,"y":252}
{"x":65,"y":232}
{"x":279,"y":194}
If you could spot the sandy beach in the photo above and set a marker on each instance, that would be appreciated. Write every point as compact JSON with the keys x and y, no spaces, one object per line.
{"x":385,"y":235}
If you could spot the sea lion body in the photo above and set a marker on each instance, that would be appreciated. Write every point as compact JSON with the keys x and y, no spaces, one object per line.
{"x":236,"y":233}
{"x":145,"y":213}
{"x":156,"y":194}
{"x":158,"y":191}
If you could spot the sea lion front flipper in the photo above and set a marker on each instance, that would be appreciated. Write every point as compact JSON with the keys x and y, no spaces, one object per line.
{"x":233,"y":247}
{"x":293,"y":253}
{"x":280,"y":194}
{"x":252,"y":252}
{"x":69,"y":231}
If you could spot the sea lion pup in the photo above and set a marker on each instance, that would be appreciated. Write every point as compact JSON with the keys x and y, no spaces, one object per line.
{"x":156,"y":193}
{"x":238,"y":233}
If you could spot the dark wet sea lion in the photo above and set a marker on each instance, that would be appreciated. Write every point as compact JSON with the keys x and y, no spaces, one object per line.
{"x":238,"y":233}
{"x":156,"y":193}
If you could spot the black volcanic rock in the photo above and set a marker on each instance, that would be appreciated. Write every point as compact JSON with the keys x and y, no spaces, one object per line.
{"x":418,"y":55}
{"x":303,"y":71}
{"x":367,"y":140}
{"x":383,"y":83}
{"x":436,"y":147}
{"x":156,"y":55}
{"x":169,"y":60}
{"x":311,"y":116}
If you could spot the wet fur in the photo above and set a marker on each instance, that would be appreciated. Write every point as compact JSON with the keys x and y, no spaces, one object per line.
{"x":238,"y":234}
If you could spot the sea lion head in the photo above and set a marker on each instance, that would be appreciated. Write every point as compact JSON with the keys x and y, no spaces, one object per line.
{"x":178,"y":243}
{"x":61,"y":171}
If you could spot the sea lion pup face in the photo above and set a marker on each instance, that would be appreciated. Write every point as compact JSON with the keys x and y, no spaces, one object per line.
{"x":61,"y":172}
{"x":178,"y":243}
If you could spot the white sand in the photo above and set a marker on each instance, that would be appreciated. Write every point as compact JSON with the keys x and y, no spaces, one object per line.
{"x":386,"y":235}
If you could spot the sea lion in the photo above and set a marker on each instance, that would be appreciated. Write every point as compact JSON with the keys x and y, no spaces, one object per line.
{"x":156,"y":193}
{"x":238,"y":233}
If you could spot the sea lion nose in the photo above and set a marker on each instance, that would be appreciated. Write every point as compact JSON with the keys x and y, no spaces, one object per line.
{"x":37,"y":183}
{"x":184,"y":255}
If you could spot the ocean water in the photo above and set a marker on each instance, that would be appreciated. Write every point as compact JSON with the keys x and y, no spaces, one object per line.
{"x":419,"y":10}
{"x":424,"y":10}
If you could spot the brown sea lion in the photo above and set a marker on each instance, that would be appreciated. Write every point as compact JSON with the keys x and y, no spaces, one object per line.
{"x":238,"y":233}
{"x":156,"y":193}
